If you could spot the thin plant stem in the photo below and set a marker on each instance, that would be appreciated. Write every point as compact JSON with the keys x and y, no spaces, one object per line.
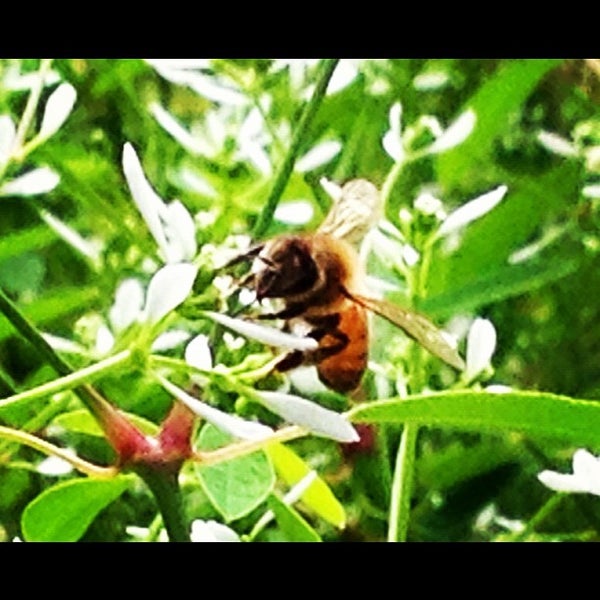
{"x":539,"y":516}
{"x":285,"y":169}
{"x":85,"y":375}
{"x":402,"y":484}
{"x":81,"y":465}
{"x":232,"y":451}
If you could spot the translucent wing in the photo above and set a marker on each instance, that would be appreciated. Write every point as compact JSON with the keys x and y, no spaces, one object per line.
{"x":416,"y":326}
{"x":354,"y":213}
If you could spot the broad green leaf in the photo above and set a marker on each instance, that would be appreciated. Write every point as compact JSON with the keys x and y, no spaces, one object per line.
{"x":295,"y":528}
{"x":494,"y":103}
{"x":63,"y":512}
{"x":319,"y":497}
{"x":238,"y":486}
{"x":541,"y":414}
{"x":81,"y":421}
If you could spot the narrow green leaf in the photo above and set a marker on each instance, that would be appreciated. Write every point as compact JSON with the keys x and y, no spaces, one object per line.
{"x":494,"y":103}
{"x":319,"y":497}
{"x":496,"y":284}
{"x":63,"y":512}
{"x":542,"y":414}
{"x":295,"y":528}
{"x":238,"y":486}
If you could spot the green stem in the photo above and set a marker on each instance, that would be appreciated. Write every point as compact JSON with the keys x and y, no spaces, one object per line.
{"x":402,"y":484}
{"x":541,"y":514}
{"x":286,"y":167}
{"x":70,"y":381}
{"x":165,"y":488}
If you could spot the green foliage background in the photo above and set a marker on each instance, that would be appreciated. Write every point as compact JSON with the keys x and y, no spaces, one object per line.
{"x":544,"y":309}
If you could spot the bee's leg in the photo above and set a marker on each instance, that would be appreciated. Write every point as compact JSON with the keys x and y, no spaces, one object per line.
{"x":326,"y":327}
{"x":290,"y":361}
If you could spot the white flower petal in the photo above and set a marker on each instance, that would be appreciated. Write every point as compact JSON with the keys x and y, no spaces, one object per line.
{"x":54,"y":466}
{"x":432,"y":80}
{"x":174,"y":128}
{"x":180,"y":232}
{"x":211,"y":531}
{"x":15,"y":81}
{"x":586,"y":466}
{"x":38,"y":181}
{"x":146,"y":199}
{"x":392,"y":140}
{"x":58,"y":108}
{"x":471,"y":211}
{"x":318,"y":155}
{"x":267,"y":335}
{"x":343,"y":75}
{"x":198,"y":354}
{"x":591,"y":191}
{"x":310,"y":415}
{"x":7,"y":137}
{"x":295,"y":212}
{"x":556,"y":144}
{"x":481,"y":343}
{"x":90,"y":249}
{"x":585,"y":477}
{"x":333,"y":189}
{"x":231,"y":424}
{"x":169,"y":340}
{"x":105,"y":340}
{"x":455,"y":134}
{"x":128,"y":304}
{"x":208,"y":87}
{"x":64,"y":345}
{"x":168,"y":288}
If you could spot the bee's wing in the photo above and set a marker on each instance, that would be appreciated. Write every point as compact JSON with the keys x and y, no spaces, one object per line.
{"x":354,"y":213}
{"x":416,"y":326}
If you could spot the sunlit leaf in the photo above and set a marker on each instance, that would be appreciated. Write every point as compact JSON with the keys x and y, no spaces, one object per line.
{"x":47,"y":519}
{"x":293,"y":525}
{"x":238,"y":486}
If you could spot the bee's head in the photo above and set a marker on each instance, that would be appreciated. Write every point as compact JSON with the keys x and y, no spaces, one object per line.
{"x":287,"y":268}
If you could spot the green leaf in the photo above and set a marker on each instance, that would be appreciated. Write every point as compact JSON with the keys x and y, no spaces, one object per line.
{"x":238,"y":486}
{"x":63,"y":512}
{"x":318,"y":496}
{"x":494,"y":103}
{"x":81,"y":421}
{"x":496,"y":284}
{"x":541,"y":414}
{"x":295,"y":528}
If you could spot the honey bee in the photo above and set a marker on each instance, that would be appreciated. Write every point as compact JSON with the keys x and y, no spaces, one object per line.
{"x":319,"y":279}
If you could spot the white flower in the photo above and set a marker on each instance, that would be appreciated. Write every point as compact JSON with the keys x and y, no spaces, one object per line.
{"x":392,"y":140}
{"x":431,"y":80}
{"x":175,"y":129}
{"x":481,"y":343}
{"x":312,"y":416}
{"x":261,"y":333}
{"x":37,"y":181}
{"x":556,"y":144}
{"x":318,"y":155}
{"x":294,"y":212}
{"x":211,"y":531}
{"x":171,"y":225}
{"x":231,"y":424}
{"x":471,"y":211}
{"x":167,"y":289}
{"x":584,"y":479}
{"x":197,"y":353}
{"x":456,"y":133}
{"x":55,"y":466}
{"x":58,"y":108}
